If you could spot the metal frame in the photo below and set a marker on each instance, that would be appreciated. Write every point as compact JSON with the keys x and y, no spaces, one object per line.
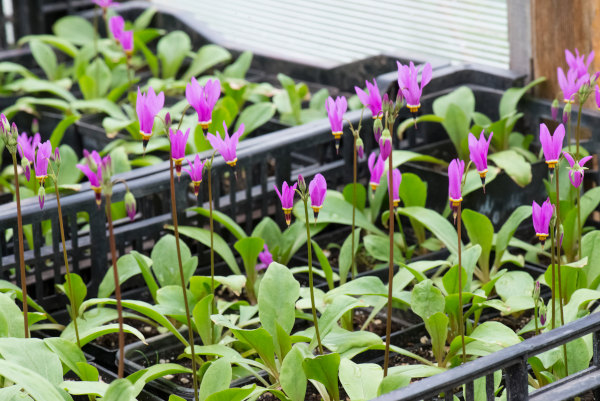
{"x":513,"y":361}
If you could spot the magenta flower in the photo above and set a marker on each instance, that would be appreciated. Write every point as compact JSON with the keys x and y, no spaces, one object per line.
{"x":117,"y":26}
{"x":552,"y":145}
{"x":43,"y":154}
{"x":578,"y":63}
{"x":178,"y":142}
{"x":203,"y":99}
{"x":265,"y":258}
{"x":385,"y":145}
{"x":93,"y":171}
{"x":376,"y":169}
{"x":104,"y":3}
{"x":287,"y":200}
{"x":360,"y":148}
{"x":598,"y":97}
{"x":408,"y":82}
{"x":456,"y":170}
{"x":396,"y":180}
{"x":26,"y":147}
{"x":541,"y":216}
{"x":195,"y":172}
{"x":226,"y":147}
{"x":371,"y":98}
{"x":335,"y":111}
{"x":570,"y":84}
{"x":478,"y":152}
{"x":126,"y":40}
{"x":317,"y":190}
{"x":577,"y":169}
{"x":130,"y":205}
{"x":147,"y":107}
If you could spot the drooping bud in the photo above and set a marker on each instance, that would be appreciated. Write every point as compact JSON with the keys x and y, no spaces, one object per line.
{"x":536,"y":291}
{"x":301,"y":183}
{"x":107,"y":175}
{"x":57,"y":157}
{"x":399,"y":102}
{"x":168,"y":120}
{"x":566,"y":116}
{"x":377,"y":128}
{"x":360,"y":148}
{"x":26,"y":167}
{"x":554,"y":109}
{"x":41,"y":196}
{"x":130,"y":205}
{"x":386,"y":106}
{"x":12,"y":137}
{"x":385,"y":144}
{"x":4,"y":124}
{"x":543,"y":314}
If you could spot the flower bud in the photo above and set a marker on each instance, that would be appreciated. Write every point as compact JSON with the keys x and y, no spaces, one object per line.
{"x":168,"y":120}
{"x":41,"y":196}
{"x":377,"y":129}
{"x":542,"y":313}
{"x":360,"y":148}
{"x":399,"y":102}
{"x":130,"y":205}
{"x":554,"y":109}
{"x":301,"y":183}
{"x":536,"y":291}
{"x":57,"y":157}
{"x":566,"y":113}
{"x":11,"y":138}
{"x":385,"y":144}
{"x":26,"y":167}
{"x":4,"y":124}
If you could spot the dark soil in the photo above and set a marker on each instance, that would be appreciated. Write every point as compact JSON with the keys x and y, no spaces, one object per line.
{"x":184,"y":380}
{"x":111,"y":341}
{"x":311,"y":395}
{"x":400,"y":320}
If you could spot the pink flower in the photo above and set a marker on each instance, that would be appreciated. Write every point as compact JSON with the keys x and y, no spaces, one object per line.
{"x":570,"y":84}
{"x":195,"y":172}
{"x":93,"y":171}
{"x":203,"y":99}
{"x":552,"y":145}
{"x":335,"y":111}
{"x":456,"y":170}
{"x":360,"y":148}
{"x":265,"y":258}
{"x":478,"y":152}
{"x":44,"y":151}
{"x":317,"y":190}
{"x":578,"y":63}
{"x":147,"y":107}
{"x":541,"y":216}
{"x":26,"y":147}
{"x":371,"y":98}
{"x":226,"y":147}
{"x":287,"y":200}
{"x":130,"y":205}
{"x":376,"y":169}
{"x":117,"y":26}
{"x":598,"y":97}
{"x":408,"y":83}
{"x":396,"y":180}
{"x":576,"y":171}
{"x":178,"y":142}
{"x":104,"y":3}
{"x":385,"y":145}
{"x":126,"y":40}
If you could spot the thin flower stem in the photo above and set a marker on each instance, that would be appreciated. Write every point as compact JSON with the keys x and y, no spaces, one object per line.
{"x":558,"y":241}
{"x":535,"y":318}
{"x":388,"y":328}
{"x":211,"y":222}
{"x":113,"y":254}
{"x":74,"y":311}
{"x":353,"y":268}
{"x":577,"y":132}
{"x":553,"y":262}
{"x":182,"y":277}
{"x":21,"y":246}
{"x":579,"y":227}
{"x":461,"y":325}
{"x":310,"y":275}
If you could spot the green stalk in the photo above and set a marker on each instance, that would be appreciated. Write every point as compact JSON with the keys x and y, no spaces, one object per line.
{"x":560,"y":287}
{"x":577,"y":132}
{"x":553,"y":262}
{"x":388,"y":328}
{"x":310,"y":273}
{"x":182,"y":277}
{"x":535,"y":318}
{"x":21,"y":246}
{"x":353,"y":268}
{"x":461,"y":326}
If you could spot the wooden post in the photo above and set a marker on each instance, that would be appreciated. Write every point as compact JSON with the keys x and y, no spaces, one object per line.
{"x":557,"y":25}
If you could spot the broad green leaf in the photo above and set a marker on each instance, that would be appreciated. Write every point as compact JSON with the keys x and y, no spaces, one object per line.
{"x":345,"y":257}
{"x":262,"y":342}
{"x":510,"y":98}
{"x":172,"y":50}
{"x":378,"y":246}
{"x":462,"y":97}
{"x":61,"y":44}
{"x":78,"y":288}
{"x":34,"y":85}
{"x":223,"y":219}
{"x":96,"y":388}
{"x":490,"y":337}
{"x":144,"y":19}
{"x":239,"y":68}
{"x":437,"y":327}
{"x":427,"y":300}
{"x":410,"y":122}
{"x":277,"y":297}
{"x":514,"y":283}
{"x":103,"y":105}
{"x":216,"y":378}
{"x":480,"y":231}
{"x":11,"y":318}
{"x":68,"y":174}
{"x":232,"y":394}
{"x":508,"y":230}
{"x":324,"y":369}
{"x":393,"y":382}
{"x":34,"y":354}
{"x":76,"y":30}
{"x":450,"y":280}
{"x":434,"y":222}
{"x":45,"y":57}
{"x":361,"y":195}
{"x":165,"y":261}
{"x":340,"y":304}
{"x":69,"y":354}
{"x":292,"y":378}
{"x":514,"y":165}
{"x":255,"y":116}
{"x":399,"y":157}
{"x":220,"y":246}
{"x":249,"y":248}
{"x":59,"y":131}
{"x":207,"y":57}
{"x":201,"y":315}
{"x":170,"y":302}
{"x":32,"y":383}
{"x":324,"y":262}
{"x":119,"y":390}
{"x":590,"y":248}
{"x":360,"y":381}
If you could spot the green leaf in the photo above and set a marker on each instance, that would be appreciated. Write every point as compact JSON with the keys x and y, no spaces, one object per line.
{"x":68,"y":174}
{"x":207,"y":57}
{"x":172,"y":50}
{"x":103,"y":105}
{"x":201,"y":315}
{"x":410,"y":122}
{"x":437,"y":327}
{"x":450,"y":279}
{"x":232,"y":394}
{"x":399,"y":157}
{"x":32,"y":383}
{"x":144,"y":19}
{"x":261,"y":341}
{"x":69,"y":354}
{"x":223,"y":219}
{"x":514,"y":165}
{"x":277,"y":297}
{"x":378,"y":247}
{"x":292,"y":378}
{"x":119,"y":390}
{"x":255,"y":116}
{"x":216,"y":378}
{"x":76,"y":30}
{"x":508,"y":230}
{"x":324,"y":262}
{"x":61,"y":44}
{"x":11,"y":318}
{"x":590,"y":248}
{"x":249,"y":248}
{"x":434,"y":222}
{"x":427,"y":300}
{"x":514,"y":283}
{"x":345,"y":258}
{"x":59,"y":131}
{"x":165,"y":261}
{"x":510,"y":99}
{"x":45,"y":57}
{"x":148,"y":54}
{"x":34,"y":354}
{"x":360,"y":381}
{"x":393,"y":382}
{"x":324,"y":369}
{"x":79,"y":289}
{"x":295,"y":101}
{"x":34,"y":85}
{"x":480,"y":231}
{"x":361,"y":195}
{"x":239,"y":68}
